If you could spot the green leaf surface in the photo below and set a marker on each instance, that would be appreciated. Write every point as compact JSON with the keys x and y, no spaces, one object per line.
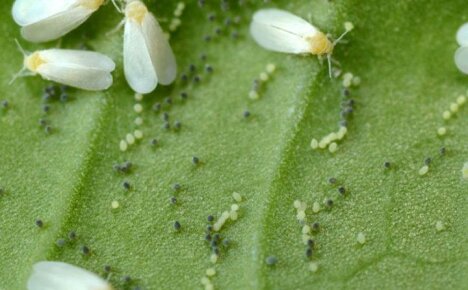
{"x":403,"y":53}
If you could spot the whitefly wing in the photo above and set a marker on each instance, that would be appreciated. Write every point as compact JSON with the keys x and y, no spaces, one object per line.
{"x":81,"y":69}
{"x":462,"y":35}
{"x":160,"y":51}
{"x":29,"y":11}
{"x":84,"y":58}
{"x":57,"y":25}
{"x":461,"y":59}
{"x":138,"y":67}
{"x":58,"y":275}
{"x":281,"y":31}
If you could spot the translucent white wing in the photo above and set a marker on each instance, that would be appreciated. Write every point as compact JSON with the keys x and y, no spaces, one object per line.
{"x":462,"y":35}
{"x":84,"y":58}
{"x":160,"y":51}
{"x":29,"y":11}
{"x":138,"y":67}
{"x":58,"y":275}
{"x":281,"y":31}
{"x":57,"y":25}
{"x":461,"y":59}
{"x":80,"y":69}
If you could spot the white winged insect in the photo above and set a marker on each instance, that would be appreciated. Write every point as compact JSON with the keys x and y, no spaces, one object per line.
{"x":461,"y":55}
{"x":282,"y":31}
{"x":148,"y":57}
{"x":61,"y":276}
{"x":45,"y":20}
{"x":87,"y":70}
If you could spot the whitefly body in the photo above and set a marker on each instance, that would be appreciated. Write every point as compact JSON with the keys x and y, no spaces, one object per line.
{"x":45,"y":20}
{"x":148,"y":57}
{"x":281,"y":31}
{"x":63,"y":276}
{"x":81,"y":69}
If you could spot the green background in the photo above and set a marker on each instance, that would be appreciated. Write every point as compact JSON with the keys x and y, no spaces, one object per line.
{"x":402,"y":51}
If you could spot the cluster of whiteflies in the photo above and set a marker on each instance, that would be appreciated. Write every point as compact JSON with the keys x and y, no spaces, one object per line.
{"x":148,"y":57}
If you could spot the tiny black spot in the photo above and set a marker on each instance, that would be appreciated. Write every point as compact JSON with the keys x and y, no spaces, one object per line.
{"x":173,"y":200}
{"x":211,"y":17}
{"x":195,"y":160}
{"x":5,"y":104}
{"x":48,"y":129}
{"x":165,"y":116}
{"x":126,"y":185}
{"x":184,"y":77}
{"x":192,"y":68}
{"x":168,"y":100}
{"x":60,"y":243}
{"x":176,"y":186}
{"x":387,"y":164}
{"x":442,"y":150}
{"x":42,"y":122}
{"x":210,"y":218}
{"x":177,"y":225}
{"x":196,"y":79}
{"x":154,"y":142}
{"x":215,"y":250}
{"x":39,"y":223}
{"x":184,"y":95}
{"x":427,"y":161}
{"x":203,"y":57}
{"x":332,"y":180}
{"x":156,"y":107}
{"x":207,"y":38}
{"x":72,"y":235}
{"x":46,"y":108}
{"x":50,"y":89}
{"x":213,"y":243}
{"x":308,"y":252}
{"x":209,"y":228}
{"x":166,"y":126}
{"x":216,"y":237}
{"x":315,"y":226}
{"x":63,"y":97}
{"x":126,"y":278}
{"x":218,"y":30}
{"x":346,"y":93}
{"x":271,"y":260}
{"x":246,"y":114}
{"x":342,"y":190}
{"x":207,"y":237}
{"x":310,"y":243}
{"x":329,"y":202}
{"x":209,"y":68}
{"x":84,"y":250}
{"x":227,"y":21}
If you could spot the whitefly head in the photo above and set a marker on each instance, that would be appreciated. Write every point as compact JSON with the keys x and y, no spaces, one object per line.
{"x":135,"y":10}
{"x":63,"y":276}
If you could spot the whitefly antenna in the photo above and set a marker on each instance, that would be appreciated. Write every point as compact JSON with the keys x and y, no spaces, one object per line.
{"x":348,"y":27}
{"x":118,"y":7}
{"x":20,"y":73}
